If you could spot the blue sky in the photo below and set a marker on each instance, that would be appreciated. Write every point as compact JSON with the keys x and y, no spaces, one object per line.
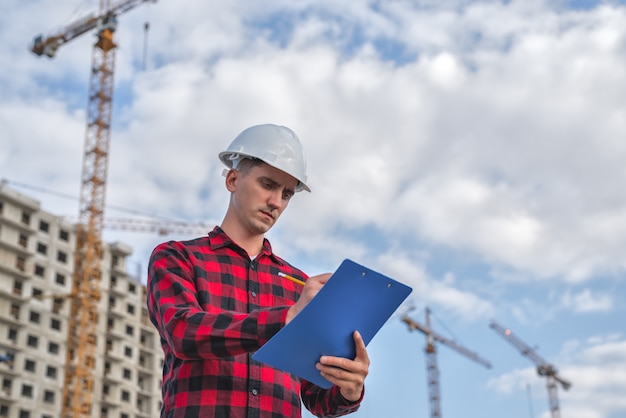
{"x":471,"y":149}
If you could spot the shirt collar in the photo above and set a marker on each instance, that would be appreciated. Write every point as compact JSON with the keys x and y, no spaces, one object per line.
{"x":219,"y":239}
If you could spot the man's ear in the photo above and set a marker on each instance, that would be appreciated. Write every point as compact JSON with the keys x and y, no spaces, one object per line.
{"x":231,"y":179}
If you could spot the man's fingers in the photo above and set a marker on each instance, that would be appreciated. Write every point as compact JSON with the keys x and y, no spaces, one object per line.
{"x":361,"y":351}
{"x":320,"y":278}
{"x":348,"y":374}
{"x":335,"y":373}
{"x":361,"y":357}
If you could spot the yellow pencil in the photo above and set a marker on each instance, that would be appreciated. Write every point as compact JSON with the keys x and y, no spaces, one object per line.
{"x":293,"y":279}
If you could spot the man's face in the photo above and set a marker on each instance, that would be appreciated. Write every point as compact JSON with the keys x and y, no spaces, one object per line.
{"x":260,"y":196}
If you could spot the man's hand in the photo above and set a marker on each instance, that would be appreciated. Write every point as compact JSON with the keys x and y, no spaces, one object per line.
{"x":312,"y":286}
{"x":349,"y":375}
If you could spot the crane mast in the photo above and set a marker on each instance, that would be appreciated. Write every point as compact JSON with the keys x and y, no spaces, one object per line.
{"x":82,"y":327}
{"x":433,"y":370}
{"x":543,"y":367}
{"x":431,"y":359}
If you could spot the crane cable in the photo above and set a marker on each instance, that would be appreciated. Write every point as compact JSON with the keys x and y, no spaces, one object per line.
{"x":75,"y":198}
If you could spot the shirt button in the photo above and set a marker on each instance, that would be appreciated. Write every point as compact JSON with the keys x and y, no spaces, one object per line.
{"x":253,"y":294}
{"x":254,"y":392}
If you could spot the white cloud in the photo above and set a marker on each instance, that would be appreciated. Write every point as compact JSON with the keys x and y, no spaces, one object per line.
{"x":501,"y":147}
{"x":512,"y":381}
{"x":587,"y":301}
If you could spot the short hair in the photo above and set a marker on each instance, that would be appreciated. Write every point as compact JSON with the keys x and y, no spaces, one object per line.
{"x":247,"y":164}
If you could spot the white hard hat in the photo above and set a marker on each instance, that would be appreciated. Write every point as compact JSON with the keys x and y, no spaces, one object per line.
{"x":275,"y":145}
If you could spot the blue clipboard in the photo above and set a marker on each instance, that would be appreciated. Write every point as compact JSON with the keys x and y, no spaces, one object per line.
{"x":354,"y":298}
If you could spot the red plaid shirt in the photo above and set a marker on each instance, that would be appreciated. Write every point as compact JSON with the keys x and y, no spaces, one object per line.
{"x":213,"y":308}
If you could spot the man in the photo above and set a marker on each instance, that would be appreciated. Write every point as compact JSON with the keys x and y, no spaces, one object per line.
{"x":216,"y":299}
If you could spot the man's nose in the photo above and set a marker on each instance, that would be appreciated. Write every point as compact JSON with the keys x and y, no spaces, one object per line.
{"x":275,"y":199}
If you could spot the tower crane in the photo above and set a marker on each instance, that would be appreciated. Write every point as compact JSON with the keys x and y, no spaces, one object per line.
{"x":431,"y":359}
{"x":149,"y":224}
{"x":81,"y":343}
{"x":161,"y":227}
{"x":543,"y":367}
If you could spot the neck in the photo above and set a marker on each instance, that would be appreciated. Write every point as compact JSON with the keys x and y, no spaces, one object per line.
{"x":252,"y":243}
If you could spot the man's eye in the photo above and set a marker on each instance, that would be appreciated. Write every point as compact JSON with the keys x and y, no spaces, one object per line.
{"x":287,"y":195}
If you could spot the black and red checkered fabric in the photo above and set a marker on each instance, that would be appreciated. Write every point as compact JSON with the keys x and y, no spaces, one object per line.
{"x":214,"y":307}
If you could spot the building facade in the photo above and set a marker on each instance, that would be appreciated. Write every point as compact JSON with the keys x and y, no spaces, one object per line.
{"x":36,"y":263}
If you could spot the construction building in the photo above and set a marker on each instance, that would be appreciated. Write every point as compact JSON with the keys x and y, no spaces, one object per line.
{"x":36,"y":263}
